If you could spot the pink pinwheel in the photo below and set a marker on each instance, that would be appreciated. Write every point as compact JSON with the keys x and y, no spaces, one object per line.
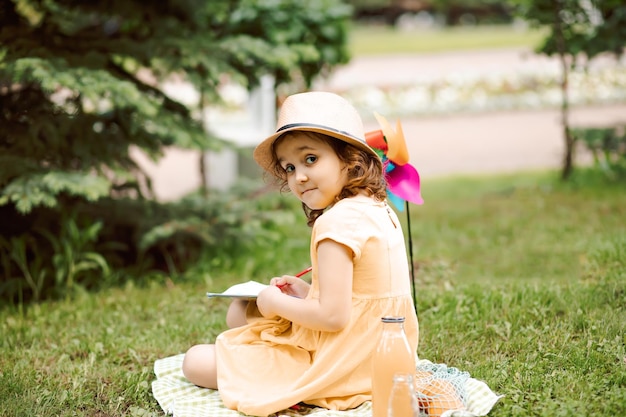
{"x":403,"y":180}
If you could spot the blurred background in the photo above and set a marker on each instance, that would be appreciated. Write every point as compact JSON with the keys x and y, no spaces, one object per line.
{"x":127,"y":131}
{"x":459,"y":75}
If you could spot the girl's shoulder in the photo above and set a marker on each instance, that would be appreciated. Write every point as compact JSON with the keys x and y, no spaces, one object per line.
{"x":352,"y":222}
{"x":358,"y":202}
{"x":352,"y":209}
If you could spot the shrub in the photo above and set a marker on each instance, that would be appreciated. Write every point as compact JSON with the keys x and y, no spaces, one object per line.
{"x":608,"y":147}
{"x":111,"y":241}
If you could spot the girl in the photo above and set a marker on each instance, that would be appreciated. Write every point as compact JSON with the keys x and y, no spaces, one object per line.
{"x":314,"y":343}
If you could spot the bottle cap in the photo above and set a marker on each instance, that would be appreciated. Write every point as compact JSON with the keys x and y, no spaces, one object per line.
{"x":391,"y":319}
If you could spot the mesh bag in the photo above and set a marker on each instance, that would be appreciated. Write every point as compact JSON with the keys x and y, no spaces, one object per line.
{"x":440,"y":389}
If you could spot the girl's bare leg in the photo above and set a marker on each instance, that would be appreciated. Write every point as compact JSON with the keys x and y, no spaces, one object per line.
{"x":236,"y":315}
{"x":200,"y":367}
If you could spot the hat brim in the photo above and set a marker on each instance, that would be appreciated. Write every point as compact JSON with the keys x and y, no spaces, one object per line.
{"x":263,"y":154}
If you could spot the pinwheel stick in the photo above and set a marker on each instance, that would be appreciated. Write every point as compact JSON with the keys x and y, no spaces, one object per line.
{"x":403,"y":181}
{"x":410,"y":244}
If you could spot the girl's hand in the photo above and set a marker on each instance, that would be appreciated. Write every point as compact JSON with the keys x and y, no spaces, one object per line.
{"x":291,"y":285}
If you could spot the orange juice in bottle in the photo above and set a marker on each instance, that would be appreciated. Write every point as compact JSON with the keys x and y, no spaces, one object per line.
{"x":393,"y":355}
{"x":402,"y":400}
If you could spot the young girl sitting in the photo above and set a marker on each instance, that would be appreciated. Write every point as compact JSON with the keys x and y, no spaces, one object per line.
{"x":314,"y":343}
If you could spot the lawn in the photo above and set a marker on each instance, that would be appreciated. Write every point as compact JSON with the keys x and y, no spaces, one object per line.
{"x":378,"y":40}
{"x":521,"y":281}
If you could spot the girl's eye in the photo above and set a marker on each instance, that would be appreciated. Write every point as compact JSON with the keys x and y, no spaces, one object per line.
{"x":311,"y":159}
{"x":288,"y":168}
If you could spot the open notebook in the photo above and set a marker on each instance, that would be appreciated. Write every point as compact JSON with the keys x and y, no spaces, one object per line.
{"x":250,"y":289}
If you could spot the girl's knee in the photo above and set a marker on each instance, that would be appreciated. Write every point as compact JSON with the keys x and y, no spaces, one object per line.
{"x":188,"y":361}
{"x":199,"y":366}
{"x":193,"y":360}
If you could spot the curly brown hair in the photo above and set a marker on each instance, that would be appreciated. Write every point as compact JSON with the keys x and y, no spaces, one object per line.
{"x":365,"y":173}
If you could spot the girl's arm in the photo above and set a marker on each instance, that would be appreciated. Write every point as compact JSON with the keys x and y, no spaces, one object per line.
{"x":331,"y":312}
{"x":236,"y":314}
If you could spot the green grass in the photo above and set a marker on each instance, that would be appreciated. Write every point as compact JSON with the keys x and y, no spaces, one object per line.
{"x":379,"y":40}
{"x":521,"y":281}
{"x":514,"y":228}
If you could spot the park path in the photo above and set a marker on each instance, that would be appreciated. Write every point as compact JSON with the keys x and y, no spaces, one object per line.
{"x":458,"y":144}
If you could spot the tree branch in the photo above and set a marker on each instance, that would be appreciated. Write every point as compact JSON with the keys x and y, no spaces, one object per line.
{"x":168,"y":103}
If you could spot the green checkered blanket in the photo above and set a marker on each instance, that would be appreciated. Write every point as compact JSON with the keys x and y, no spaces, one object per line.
{"x":180,"y":398}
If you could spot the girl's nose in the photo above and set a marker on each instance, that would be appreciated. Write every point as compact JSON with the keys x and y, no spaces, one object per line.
{"x":301,"y":175}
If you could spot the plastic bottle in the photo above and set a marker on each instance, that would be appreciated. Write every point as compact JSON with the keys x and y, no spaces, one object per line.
{"x":402,"y":400}
{"x":393,"y":355}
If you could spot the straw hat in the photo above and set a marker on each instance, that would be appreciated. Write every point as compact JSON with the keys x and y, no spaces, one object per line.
{"x":315,"y":111}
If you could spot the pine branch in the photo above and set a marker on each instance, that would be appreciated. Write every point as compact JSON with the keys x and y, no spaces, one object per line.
{"x":168,"y":103}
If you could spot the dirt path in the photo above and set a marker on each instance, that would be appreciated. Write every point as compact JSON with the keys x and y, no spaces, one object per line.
{"x":476,"y":143}
{"x":496,"y":142}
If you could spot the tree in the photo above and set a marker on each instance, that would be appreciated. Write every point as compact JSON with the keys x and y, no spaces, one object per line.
{"x":80,"y":81}
{"x":579,"y":31}
{"x":80,"y":84}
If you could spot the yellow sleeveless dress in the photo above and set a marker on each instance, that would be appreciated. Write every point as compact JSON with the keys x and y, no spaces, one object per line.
{"x":269,"y":365}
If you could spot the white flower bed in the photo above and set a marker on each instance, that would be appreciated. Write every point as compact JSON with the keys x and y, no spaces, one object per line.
{"x":491,"y":92}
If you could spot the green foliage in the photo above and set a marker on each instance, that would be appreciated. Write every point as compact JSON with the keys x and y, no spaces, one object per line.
{"x":51,"y":261}
{"x":72,"y":256}
{"x":224,"y":226}
{"x":608,"y":147}
{"x":41,"y":189}
{"x":105,"y":243}
{"x":301,"y":39}
{"x":15,"y":253}
{"x":81,"y":82}
{"x":578,"y":28}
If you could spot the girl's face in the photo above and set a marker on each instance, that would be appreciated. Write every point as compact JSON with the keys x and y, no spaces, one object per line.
{"x":314,"y":172}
